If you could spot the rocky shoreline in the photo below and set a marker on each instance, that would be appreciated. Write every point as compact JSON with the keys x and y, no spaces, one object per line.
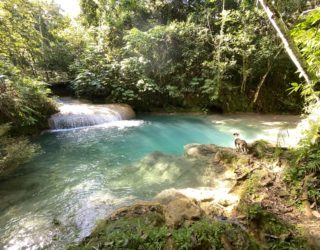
{"x":245,"y":206}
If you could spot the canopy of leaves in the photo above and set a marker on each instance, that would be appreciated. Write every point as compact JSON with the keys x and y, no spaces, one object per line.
{"x":203,"y":54}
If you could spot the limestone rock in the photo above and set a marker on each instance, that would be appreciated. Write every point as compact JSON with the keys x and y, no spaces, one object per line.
{"x":212,"y":209}
{"x":200,"y":150}
{"x":178,"y":208}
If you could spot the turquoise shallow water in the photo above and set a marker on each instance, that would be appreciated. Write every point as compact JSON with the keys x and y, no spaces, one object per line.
{"x":76,"y":178}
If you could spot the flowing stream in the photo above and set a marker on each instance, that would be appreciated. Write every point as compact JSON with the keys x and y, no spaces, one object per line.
{"x":84,"y":174}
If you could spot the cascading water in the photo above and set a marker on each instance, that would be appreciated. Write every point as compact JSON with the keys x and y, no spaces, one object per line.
{"x":74,"y":114}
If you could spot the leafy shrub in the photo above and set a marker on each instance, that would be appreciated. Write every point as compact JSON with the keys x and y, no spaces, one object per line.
{"x":24,"y":102}
{"x":157,"y":67}
{"x":266,"y":223}
{"x":306,"y":160}
{"x":205,"y":234}
{"x":14,"y":151}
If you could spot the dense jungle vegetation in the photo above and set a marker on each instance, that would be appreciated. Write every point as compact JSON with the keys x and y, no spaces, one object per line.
{"x":161,"y":55}
{"x":192,"y":55}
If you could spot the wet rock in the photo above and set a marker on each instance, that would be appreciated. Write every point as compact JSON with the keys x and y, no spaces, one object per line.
{"x":212,"y":209}
{"x":200,"y":150}
{"x":181,"y":209}
{"x":178,"y":208}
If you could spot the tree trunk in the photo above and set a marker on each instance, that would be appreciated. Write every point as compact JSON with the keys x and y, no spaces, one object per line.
{"x":260,"y":85}
{"x":289,"y":45}
{"x":264,"y":78}
{"x":245,"y":72}
{"x":224,"y":15}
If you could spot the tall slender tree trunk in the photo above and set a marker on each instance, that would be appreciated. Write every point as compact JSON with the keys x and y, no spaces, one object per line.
{"x":42,"y":46}
{"x":289,"y":45}
{"x":218,"y":77}
{"x":245,"y":72}
{"x":263,"y":79}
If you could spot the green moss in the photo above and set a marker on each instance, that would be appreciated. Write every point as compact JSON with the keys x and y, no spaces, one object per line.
{"x":261,"y":148}
{"x":139,"y":228}
{"x":271,"y":230}
{"x":14,"y":151}
{"x":228,"y":157}
{"x":205,"y":234}
{"x":148,"y":231}
{"x":304,"y":161}
{"x":252,"y":184}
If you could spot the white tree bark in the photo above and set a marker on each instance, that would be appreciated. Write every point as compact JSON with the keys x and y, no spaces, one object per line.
{"x":289,"y":46}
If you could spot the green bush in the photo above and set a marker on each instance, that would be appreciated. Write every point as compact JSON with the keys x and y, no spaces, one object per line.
{"x":157,"y":67}
{"x":24,"y":102}
{"x":14,"y":151}
{"x":306,"y":160}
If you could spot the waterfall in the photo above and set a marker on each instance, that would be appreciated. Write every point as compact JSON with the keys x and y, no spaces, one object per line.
{"x":74,"y":114}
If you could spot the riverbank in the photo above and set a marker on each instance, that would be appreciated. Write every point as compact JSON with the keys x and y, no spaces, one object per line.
{"x":247,"y":206}
{"x":85,"y":174}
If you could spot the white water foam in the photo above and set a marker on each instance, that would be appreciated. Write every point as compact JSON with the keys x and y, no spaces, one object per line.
{"x":115,"y":124}
{"x":75,"y":114}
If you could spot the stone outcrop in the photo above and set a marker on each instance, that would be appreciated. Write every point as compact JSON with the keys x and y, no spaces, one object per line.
{"x":218,"y":215}
{"x":178,"y":208}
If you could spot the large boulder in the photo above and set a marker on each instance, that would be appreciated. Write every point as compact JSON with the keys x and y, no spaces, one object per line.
{"x":178,"y":208}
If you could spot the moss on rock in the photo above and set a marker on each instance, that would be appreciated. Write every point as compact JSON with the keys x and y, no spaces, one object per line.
{"x":143,"y":227}
{"x":260,"y":148}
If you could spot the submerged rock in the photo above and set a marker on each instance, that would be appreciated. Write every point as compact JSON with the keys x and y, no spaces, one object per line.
{"x":199,"y":150}
{"x":159,"y":171}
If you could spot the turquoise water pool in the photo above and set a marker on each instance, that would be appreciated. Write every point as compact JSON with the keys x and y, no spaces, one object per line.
{"x":84,"y":174}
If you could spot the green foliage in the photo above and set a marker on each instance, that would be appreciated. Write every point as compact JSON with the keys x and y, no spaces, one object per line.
{"x":24,"y":102}
{"x":34,"y":37}
{"x":285,"y":236}
{"x":153,"y":64}
{"x":14,"y":151}
{"x":305,"y":34}
{"x":144,"y":229}
{"x":140,"y":232}
{"x":181,"y":54}
{"x":261,"y":148}
{"x":306,"y":160}
{"x":206,"y":234}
